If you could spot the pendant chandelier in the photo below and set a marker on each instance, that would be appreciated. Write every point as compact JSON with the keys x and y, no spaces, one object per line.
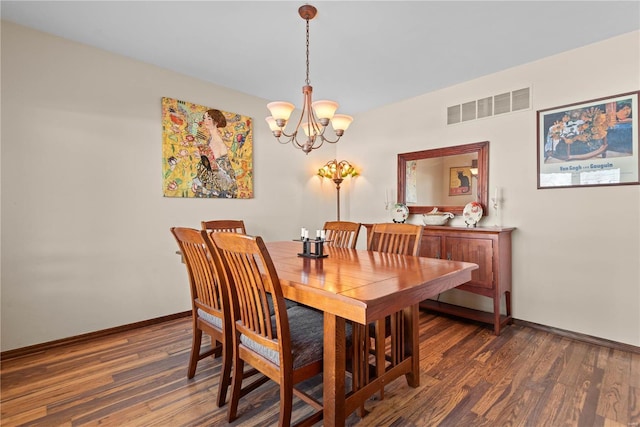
{"x":315,"y":116}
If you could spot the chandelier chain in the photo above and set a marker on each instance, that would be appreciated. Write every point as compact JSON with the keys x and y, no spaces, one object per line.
{"x":307,"y":79}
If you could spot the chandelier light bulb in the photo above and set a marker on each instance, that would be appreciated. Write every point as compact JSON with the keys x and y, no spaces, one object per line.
{"x":310,"y":129}
{"x":280,"y":110}
{"x":324,"y":110}
{"x":340,"y":123}
{"x":273,"y":126}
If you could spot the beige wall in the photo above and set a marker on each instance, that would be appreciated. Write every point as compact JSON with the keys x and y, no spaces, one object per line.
{"x":85,"y":228}
{"x":85,"y":240}
{"x":576,"y":252}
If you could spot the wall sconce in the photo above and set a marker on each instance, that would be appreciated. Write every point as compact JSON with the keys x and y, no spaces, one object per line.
{"x":337,"y":172}
{"x":474,"y":168}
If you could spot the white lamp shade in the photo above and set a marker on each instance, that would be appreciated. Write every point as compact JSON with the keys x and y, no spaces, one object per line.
{"x":272,"y":123}
{"x":324,"y":109}
{"x":341,"y":121}
{"x":280,"y":110}
{"x":309,"y":129}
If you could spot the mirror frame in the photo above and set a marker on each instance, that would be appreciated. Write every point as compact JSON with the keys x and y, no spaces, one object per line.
{"x":482,"y":148}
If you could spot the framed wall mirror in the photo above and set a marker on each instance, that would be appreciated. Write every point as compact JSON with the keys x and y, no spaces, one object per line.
{"x":445,"y":178}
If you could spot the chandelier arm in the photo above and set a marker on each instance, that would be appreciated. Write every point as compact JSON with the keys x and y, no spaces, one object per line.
{"x":330,"y":141}
{"x":284,"y":142}
{"x":319,"y":129}
{"x":322,"y":140}
{"x":297,"y":144}
{"x":294,"y":135}
{"x":290,"y":136}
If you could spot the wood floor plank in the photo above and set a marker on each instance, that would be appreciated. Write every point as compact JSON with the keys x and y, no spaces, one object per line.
{"x":520,"y":389}
{"x":552,"y":347}
{"x":23,"y":417}
{"x":504,"y":367}
{"x":544,"y":413}
{"x":468,"y":377}
{"x":634,"y":406}
{"x":613,"y":403}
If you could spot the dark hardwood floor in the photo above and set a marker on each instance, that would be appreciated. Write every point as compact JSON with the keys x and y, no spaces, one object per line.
{"x":469,"y":377}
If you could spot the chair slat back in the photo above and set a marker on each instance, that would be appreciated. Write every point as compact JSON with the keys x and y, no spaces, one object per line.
{"x":228,"y":225}
{"x":395,"y":238}
{"x":207,"y":292}
{"x":250,"y":276}
{"x":342,"y":234}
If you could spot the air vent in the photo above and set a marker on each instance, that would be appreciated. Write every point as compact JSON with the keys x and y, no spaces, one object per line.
{"x":502,"y":103}
{"x":520,"y":99}
{"x":468,"y":111}
{"x":485,"y":107}
{"x":453,"y":114}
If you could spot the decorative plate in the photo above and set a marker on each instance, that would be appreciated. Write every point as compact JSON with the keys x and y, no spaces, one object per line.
{"x":472,"y":213}
{"x":399,"y":212}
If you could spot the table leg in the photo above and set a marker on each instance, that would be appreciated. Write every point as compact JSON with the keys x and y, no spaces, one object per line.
{"x":412,"y":344}
{"x":334,"y":370}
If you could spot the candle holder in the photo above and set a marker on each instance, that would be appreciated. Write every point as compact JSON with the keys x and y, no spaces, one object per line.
{"x":318,"y":248}
{"x":495,"y":204}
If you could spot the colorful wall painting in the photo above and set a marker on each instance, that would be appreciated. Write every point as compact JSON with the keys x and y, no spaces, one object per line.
{"x":206,"y":152}
{"x":590,"y":143}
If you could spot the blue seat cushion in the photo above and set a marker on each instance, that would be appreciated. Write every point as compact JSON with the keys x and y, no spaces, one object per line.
{"x":287,"y":303}
{"x":215,"y":321}
{"x":306,"y":327}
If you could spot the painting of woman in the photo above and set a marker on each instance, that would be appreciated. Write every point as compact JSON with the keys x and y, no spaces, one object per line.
{"x":215,"y":171}
{"x":207,"y":153}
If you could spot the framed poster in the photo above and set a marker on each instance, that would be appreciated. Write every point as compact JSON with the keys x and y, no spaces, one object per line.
{"x":460,"y":181}
{"x":206,"y":152}
{"x":590,"y":143}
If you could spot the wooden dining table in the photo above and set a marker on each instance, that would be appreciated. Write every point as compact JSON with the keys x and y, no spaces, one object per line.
{"x":362,"y":286}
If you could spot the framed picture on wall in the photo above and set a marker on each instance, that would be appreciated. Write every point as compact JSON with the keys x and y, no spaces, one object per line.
{"x":590,"y":143}
{"x":206,"y":152}
{"x":460,"y":181}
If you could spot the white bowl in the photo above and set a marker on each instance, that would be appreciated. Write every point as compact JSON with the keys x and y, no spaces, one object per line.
{"x":440,"y":218}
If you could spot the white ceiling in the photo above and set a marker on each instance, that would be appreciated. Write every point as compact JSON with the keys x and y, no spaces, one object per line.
{"x":364,"y":54}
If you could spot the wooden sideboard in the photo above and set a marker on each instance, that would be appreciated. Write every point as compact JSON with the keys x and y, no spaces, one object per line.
{"x":490,"y":248}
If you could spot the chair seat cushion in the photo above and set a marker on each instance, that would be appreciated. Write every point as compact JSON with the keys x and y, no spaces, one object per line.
{"x":306,"y":327}
{"x":287,"y":303}
{"x":209,"y":318}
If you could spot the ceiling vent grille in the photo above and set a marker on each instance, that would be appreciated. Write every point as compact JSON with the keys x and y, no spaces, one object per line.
{"x":469,"y":111}
{"x":520,"y":99}
{"x":453,"y":114}
{"x":502,"y":103}
{"x":485,"y":107}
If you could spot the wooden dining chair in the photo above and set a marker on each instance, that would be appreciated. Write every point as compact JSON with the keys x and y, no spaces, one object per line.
{"x":229,"y":225}
{"x":395,"y":238}
{"x":233,"y":226}
{"x":210,"y":306}
{"x":284,"y":354}
{"x":401,"y":239}
{"x":342,"y":234}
